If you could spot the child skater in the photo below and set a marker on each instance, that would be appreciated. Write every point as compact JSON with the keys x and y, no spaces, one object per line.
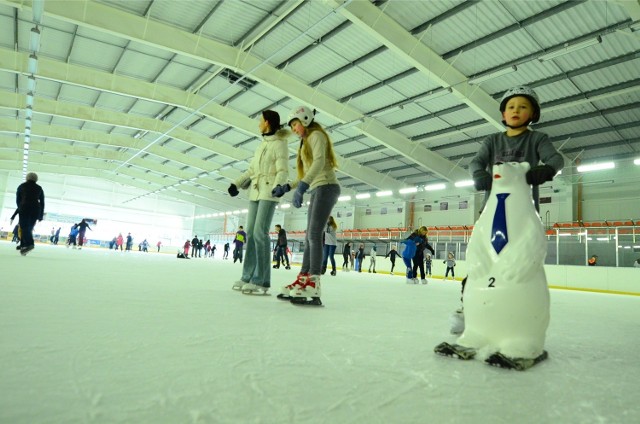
{"x":392,"y":255}
{"x":427,"y":264}
{"x":316,"y":164}
{"x":451,"y":263}
{"x":411,"y":245}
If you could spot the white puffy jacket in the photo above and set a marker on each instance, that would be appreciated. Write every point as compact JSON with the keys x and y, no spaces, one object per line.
{"x":268,"y":168}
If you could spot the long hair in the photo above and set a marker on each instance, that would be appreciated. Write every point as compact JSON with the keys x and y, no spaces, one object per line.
{"x":333,"y":223}
{"x":305,"y":149}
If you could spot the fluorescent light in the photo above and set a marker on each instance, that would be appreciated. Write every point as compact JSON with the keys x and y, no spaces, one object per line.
{"x":432,"y":187}
{"x":570,"y":48}
{"x":596,"y":167}
{"x":386,"y":111}
{"x":384,"y":193}
{"x":285,"y":206}
{"x":245,"y":211}
{"x":344,"y":198}
{"x":602,"y":238}
{"x":636,"y":162}
{"x":465,"y":183}
{"x":408,"y":190}
{"x":363,"y":196}
{"x":434,"y":94}
{"x":564,"y":234}
{"x":492,"y":75}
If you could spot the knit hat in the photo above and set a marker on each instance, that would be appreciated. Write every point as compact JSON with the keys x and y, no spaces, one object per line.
{"x":32,"y":176}
{"x":273,"y":118}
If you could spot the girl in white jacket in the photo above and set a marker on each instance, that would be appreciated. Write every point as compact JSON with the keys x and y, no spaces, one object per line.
{"x":268,"y":169}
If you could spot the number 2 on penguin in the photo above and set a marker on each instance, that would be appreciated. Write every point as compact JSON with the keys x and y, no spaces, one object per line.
{"x":491,"y":282}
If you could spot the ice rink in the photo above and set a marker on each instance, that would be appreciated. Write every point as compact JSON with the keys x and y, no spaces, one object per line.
{"x":97,"y":336}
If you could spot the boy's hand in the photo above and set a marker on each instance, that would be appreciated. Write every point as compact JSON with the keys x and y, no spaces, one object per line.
{"x":280,"y":190}
{"x":482,"y":180}
{"x":540,"y":174}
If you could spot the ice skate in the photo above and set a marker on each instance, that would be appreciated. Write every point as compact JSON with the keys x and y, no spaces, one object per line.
{"x":238,"y":285}
{"x":423,"y":281}
{"x":519,"y":364}
{"x":276,"y":266}
{"x":254,"y":289}
{"x":287,"y":267}
{"x":285,"y":292}
{"x":333,"y":272}
{"x":25,"y":250}
{"x":455,"y":351}
{"x":309,"y":294}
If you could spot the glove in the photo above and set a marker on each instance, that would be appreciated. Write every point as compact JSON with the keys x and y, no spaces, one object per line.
{"x":280,"y":190}
{"x":540,"y":174}
{"x":482,"y":180}
{"x":297,"y":196}
{"x":233,"y":190}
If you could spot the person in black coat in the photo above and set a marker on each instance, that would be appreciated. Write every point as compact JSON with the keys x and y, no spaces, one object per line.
{"x":30,"y":202}
{"x":82,"y":229}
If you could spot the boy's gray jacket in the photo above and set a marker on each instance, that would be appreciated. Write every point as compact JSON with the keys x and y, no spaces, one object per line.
{"x":268,"y":168}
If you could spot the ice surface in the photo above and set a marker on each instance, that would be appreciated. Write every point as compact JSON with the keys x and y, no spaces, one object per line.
{"x":98,"y":336}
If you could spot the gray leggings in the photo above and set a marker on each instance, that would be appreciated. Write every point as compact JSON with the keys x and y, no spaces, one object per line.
{"x":322,"y":201}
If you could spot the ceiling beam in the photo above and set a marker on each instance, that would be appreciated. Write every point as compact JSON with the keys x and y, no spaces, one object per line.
{"x":102,"y":18}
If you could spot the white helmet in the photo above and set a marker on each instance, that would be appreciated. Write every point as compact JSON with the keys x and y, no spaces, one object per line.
{"x":524,"y":91}
{"x":303,"y":114}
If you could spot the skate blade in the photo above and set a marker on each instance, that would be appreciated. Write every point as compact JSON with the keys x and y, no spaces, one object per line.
{"x":455,"y":351}
{"x":518,"y":364}
{"x":303,"y":301}
{"x":284,"y":297}
{"x":256,"y":293}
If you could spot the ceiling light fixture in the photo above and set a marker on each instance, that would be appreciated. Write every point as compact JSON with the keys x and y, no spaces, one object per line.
{"x":363,"y":196}
{"x":596,"y":167}
{"x":408,"y":190}
{"x":570,"y":48}
{"x":432,"y":187}
{"x":492,"y":75}
{"x":384,"y":193}
{"x":344,"y":198}
{"x":465,"y":183}
{"x":636,"y":161}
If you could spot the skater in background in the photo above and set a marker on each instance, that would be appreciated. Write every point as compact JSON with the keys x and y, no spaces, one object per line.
{"x":392,"y":256}
{"x":593,"y":260}
{"x":427,"y":264}
{"x":16,"y":230}
{"x":129,"y":242}
{"x":158,"y":245}
{"x":267,"y":171}
{"x":225,"y":255}
{"x":30,"y":202}
{"x":316,"y":164}
{"x":636,"y":263}
{"x":119,"y":242}
{"x":352,"y":258}
{"x":194,"y":246}
{"x":372,"y":258}
{"x":360,"y":257}
{"x":519,"y":107}
{"x":82,"y":229}
{"x":56,"y":236}
{"x":187,"y":245}
{"x":281,"y":248}
{"x":73,"y":235}
{"x":330,"y":244}
{"x":451,"y":263}
{"x":238,"y":244}
{"x":410,"y":248}
{"x":346,"y":252}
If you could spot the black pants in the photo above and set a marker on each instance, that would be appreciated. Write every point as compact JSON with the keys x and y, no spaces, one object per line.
{"x":418,"y":262}
{"x":27,"y":221}
{"x":281,"y":255}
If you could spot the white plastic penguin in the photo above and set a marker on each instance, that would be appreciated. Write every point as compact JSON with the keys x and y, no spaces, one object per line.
{"x":506,"y":299}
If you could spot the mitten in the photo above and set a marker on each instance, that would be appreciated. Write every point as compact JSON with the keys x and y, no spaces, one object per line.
{"x":540,"y":174}
{"x":297,"y":196}
{"x":482,"y":180}
{"x":280,"y":190}
{"x":233,"y":190}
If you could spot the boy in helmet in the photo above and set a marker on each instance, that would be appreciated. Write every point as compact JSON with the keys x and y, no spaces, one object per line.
{"x":30,"y":201}
{"x":519,"y":107}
